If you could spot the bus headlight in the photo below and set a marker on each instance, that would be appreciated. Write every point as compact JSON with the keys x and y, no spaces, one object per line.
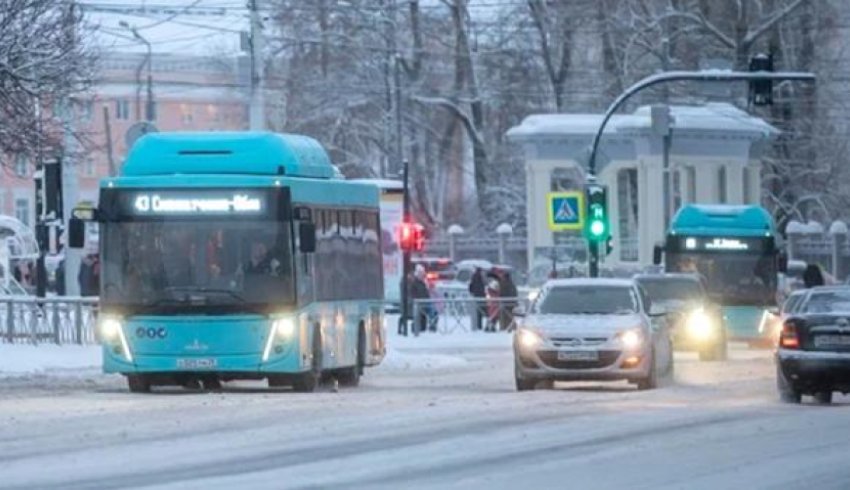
{"x":699,"y":325}
{"x":631,"y":339}
{"x":284,"y":328}
{"x":111,"y":330}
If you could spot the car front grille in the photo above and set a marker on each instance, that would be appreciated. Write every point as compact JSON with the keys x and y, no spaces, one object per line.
{"x":606,"y":358}
{"x":578,"y":341}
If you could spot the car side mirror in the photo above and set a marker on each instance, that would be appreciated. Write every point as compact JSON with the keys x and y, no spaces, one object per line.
{"x":657,"y":254}
{"x":782,"y":263}
{"x":307,"y":237}
{"x":76,"y":233}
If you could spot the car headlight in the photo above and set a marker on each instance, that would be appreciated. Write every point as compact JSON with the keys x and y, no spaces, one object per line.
{"x":528,"y":339}
{"x":112,"y":329}
{"x":533,"y":294}
{"x":631,"y":339}
{"x":700,"y":325}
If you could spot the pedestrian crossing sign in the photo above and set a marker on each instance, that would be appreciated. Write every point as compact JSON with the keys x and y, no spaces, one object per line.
{"x":566,"y":210}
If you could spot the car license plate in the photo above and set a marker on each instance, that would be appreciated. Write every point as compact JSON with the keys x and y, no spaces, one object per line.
{"x":832,"y":341}
{"x":578,"y":355}
{"x":199,"y":363}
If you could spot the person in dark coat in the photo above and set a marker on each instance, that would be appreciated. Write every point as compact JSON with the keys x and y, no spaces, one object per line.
{"x":508,"y":293}
{"x":60,"y":278}
{"x":812,"y":276}
{"x":478,"y":291}
{"x":419,"y":290}
{"x":89,"y":276}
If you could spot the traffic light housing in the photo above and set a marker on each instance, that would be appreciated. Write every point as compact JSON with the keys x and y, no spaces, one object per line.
{"x":761,"y":91}
{"x":411,"y":236}
{"x":596,"y":228}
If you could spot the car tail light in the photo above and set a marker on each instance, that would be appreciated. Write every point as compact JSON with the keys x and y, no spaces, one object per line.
{"x":432,"y":276}
{"x":788,"y":338}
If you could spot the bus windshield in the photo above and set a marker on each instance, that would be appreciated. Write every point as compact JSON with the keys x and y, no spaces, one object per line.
{"x":732,"y":278}
{"x":193,"y":265}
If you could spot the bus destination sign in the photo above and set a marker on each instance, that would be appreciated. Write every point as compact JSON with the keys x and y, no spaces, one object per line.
{"x":723,"y":244}
{"x":237,"y":203}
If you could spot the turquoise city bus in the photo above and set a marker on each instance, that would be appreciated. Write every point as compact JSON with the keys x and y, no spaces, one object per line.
{"x":236,"y":256}
{"x":735,"y":250}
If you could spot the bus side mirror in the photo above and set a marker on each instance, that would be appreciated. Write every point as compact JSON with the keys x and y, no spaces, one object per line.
{"x":657,"y":255}
{"x":782,"y":263}
{"x":76,"y":233}
{"x":307,"y":237}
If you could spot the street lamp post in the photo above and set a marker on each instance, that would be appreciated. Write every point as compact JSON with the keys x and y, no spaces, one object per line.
{"x":149,"y":116}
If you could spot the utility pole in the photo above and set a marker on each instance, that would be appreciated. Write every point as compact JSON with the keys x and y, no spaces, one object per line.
{"x":107,"y":127}
{"x":257,"y":107}
{"x":405,"y":267}
{"x":399,"y":147}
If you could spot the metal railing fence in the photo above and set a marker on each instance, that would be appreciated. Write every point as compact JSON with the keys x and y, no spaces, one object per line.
{"x":65,"y":320}
{"x":466,"y":314}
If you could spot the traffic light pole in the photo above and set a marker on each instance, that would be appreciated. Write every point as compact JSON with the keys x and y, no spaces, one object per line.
{"x":675,"y":76}
{"x":405,"y":268}
{"x":593,"y":262}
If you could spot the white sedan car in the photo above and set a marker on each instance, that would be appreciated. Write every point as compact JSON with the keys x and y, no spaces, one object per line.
{"x":591,"y":329}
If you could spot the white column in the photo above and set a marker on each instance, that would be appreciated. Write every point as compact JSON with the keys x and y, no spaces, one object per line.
{"x":706,"y":178}
{"x":754,"y":170}
{"x":735,"y":183}
{"x":538,"y":183}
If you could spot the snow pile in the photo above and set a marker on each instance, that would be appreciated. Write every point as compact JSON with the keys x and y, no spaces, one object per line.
{"x":19,"y":359}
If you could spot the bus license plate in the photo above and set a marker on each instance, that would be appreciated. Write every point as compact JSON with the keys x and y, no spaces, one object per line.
{"x":200,"y":363}
{"x":578,"y":355}
{"x":832,"y":341}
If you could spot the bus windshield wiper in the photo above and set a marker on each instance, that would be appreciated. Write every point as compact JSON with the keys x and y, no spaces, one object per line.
{"x":197,"y":289}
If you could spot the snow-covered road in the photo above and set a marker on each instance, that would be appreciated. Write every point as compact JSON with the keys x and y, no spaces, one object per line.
{"x":441,"y":413}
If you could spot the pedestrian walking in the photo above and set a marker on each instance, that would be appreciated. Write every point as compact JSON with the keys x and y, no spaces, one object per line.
{"x":508,"y":295}
{"x":478,"y":292}
{"x":493,"y":298}
{"x":419,"y":291}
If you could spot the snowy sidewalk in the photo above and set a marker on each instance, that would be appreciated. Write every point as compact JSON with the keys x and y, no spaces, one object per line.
{"x":24,"y":359}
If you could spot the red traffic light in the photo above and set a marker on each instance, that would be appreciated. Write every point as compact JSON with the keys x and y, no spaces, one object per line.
{"x":411,"y":237}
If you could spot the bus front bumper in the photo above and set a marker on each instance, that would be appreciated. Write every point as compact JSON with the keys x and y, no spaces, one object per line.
{"x":251,"y":365}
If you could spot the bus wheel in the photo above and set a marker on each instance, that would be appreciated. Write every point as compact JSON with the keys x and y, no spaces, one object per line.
{"x":138,"y":383}
{"x":351,"y":376}
{"x":307,"y":382}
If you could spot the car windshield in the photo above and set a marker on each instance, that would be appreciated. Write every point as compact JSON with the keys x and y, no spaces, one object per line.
{"x":586,"y":300}
{"x":734,"y":279}
{"x":829,"y":302}
{"x":671,"y":289}
{"x":177,"y":264}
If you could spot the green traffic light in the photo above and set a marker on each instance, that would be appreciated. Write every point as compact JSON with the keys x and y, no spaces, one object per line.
{"x":597,"y":228}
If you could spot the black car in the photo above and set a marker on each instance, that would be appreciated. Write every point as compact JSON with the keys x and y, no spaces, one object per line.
{"x":696,"y":321}
{"x":813,"y":355}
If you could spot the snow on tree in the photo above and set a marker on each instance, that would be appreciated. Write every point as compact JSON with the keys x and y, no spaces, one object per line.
{"x":42,"y":65}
